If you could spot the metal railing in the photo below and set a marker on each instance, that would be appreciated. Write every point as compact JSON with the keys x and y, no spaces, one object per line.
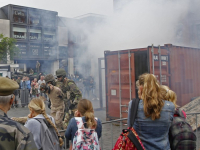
{"x":112,"y":129}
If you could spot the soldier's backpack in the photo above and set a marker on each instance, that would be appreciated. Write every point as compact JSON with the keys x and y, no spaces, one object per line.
{"x":49,"y":138}
{"x":129,"y":139}
{"x":181,"y":135}
{"x":85,"y":138}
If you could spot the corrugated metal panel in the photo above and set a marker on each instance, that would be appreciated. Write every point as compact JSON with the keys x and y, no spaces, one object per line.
{"x":164,"y":65}
{"x":114,"y":93}
{"x":185,"y":73}
{"x":126,"y":82}
{"x":179,"y":70}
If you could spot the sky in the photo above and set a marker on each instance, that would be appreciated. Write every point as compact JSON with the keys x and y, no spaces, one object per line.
{"x":67,"y":8}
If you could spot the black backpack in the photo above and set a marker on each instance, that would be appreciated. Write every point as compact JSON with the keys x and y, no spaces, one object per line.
{"x":181,"y":135}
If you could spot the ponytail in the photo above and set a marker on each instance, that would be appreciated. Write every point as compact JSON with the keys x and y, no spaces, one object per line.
{"x":91,"y":122}
{"x":151,"y":96}
{"x":86,"y":109}
{"x":53,"y":125}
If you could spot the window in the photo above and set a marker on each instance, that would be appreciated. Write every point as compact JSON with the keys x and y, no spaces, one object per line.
{"x":19,"y":32}
{"x":48,"y":50}
{"x":19,"y":16}
{"x":35,"y":49}
{"x":49,"y":35}
{"x":22,"y":47}
{"x":34,"y":18}
{"x":35,"y":34}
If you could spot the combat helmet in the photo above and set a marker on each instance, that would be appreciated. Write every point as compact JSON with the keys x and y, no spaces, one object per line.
{"x":61,"y":72}
{"x":49,"y":78}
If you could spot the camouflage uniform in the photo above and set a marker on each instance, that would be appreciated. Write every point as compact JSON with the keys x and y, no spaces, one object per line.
{"x":72,"y":95}
{"x":18,"y":81}
{"x":38,"y":66}
{"x":31,"y":71}
{"x":13,"y":135}
{"x":34,"y":90}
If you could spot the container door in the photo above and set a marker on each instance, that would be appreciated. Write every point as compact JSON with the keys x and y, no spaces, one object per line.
{"x":120,"y":84}
{"x":161,"y":68}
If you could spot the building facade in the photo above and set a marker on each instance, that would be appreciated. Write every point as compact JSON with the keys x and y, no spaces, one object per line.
{"x":54,"y":41}
{"x":36,"y":33}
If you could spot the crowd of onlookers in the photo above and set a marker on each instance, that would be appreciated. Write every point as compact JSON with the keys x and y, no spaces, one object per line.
{"x":87,"y":86}
{"x":154,"y":115}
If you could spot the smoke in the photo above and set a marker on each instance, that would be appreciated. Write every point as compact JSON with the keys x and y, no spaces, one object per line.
{"x":138,"y":24}
{"x":142,"y":23}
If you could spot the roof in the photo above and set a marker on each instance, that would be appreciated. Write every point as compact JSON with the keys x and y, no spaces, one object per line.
{"x":193,"y":107}
{"x":32,"y":8}
{"x":90,"y":15}
{"x":64,"y":21}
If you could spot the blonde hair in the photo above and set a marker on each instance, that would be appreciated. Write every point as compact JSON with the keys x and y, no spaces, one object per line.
{"x":86,"y":109}
{"x":168,"y":94}
{"x":152,"y":100}
{"x":37,"y":104}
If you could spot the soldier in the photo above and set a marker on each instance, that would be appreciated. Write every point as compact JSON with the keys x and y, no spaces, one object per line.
{"x":38,"y":66}
{"x":56,"y":97}
{"x":31,"y":71}
{"x":13,"y":135}
{"x":72,"y":95}
{"x":18,"y":80}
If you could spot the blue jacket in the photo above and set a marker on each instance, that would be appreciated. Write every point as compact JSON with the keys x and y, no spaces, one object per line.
{"x":153,"y":133}
{"x":72,"y":128}
{"x":27,"y":84}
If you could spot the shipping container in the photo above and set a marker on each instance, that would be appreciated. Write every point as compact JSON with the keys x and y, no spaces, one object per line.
{"x":174,"y":66}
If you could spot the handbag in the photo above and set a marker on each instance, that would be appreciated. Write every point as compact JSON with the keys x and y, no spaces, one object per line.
{"x":129,"y":139}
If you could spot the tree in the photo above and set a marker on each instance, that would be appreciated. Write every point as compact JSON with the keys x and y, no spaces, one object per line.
{"x":7,"y":48}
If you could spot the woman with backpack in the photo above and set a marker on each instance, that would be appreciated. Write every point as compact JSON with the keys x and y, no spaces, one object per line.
{"x":37,"y":112}
{"x":169,"y":95}
{"x":181,"y":135}
{"x":90,"y":126}
{"x":154,"y":115}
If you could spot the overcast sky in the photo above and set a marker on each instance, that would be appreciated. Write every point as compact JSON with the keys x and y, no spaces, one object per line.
{"x":67,"y":8}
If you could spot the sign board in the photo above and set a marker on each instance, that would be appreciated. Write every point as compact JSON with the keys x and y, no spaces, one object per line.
{"x":163,"y":57}
{"x":19,"y":35}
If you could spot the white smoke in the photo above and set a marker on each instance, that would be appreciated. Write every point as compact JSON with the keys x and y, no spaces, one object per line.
{"x":140,"y":24}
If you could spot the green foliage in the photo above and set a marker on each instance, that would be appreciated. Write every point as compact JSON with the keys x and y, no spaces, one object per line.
{"x":7,"y":47}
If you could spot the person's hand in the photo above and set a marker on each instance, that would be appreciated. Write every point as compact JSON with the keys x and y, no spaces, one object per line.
{"x":51,"y":87}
